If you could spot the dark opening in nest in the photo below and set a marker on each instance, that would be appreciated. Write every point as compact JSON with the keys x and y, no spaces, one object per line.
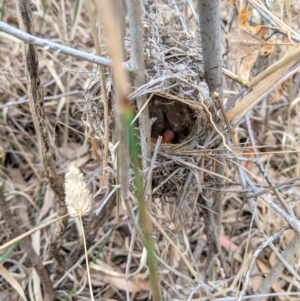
{"x":170,"y":115}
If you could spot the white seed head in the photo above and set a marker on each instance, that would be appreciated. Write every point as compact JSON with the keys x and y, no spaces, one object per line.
{"x":78,"y":197}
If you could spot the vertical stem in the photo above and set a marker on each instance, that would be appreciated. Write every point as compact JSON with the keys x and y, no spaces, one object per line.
{"x":36,"y":96}
{"x":210,"y":29}
{"x":145,"y":220}
{"x":124,"y":118}
{"x":138,"y":68}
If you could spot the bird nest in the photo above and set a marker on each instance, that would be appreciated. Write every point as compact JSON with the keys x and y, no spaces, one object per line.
{"x":180,"y":107}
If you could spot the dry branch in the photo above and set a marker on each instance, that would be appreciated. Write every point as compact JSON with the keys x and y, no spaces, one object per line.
{"x":210,"y":29}
{"x":36,"y":96}
{"x":58,"y":48}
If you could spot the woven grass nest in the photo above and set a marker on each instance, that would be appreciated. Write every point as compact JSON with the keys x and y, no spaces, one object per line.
{"x":178,"y":100}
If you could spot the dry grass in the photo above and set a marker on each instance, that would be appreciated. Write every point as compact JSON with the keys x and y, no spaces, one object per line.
{"x":180,"y":171}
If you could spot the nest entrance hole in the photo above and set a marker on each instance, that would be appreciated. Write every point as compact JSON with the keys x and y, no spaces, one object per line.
{"x":171,"y":119}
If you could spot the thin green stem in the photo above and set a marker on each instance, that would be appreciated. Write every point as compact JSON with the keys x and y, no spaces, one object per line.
{"x":128,"y":116}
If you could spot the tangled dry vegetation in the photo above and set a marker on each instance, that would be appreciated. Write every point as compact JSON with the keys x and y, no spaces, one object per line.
{"x":259,"y":196}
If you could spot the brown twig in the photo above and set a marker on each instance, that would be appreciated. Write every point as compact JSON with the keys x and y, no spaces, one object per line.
{"x":36,"y":96}
{"x":264,"y":83}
